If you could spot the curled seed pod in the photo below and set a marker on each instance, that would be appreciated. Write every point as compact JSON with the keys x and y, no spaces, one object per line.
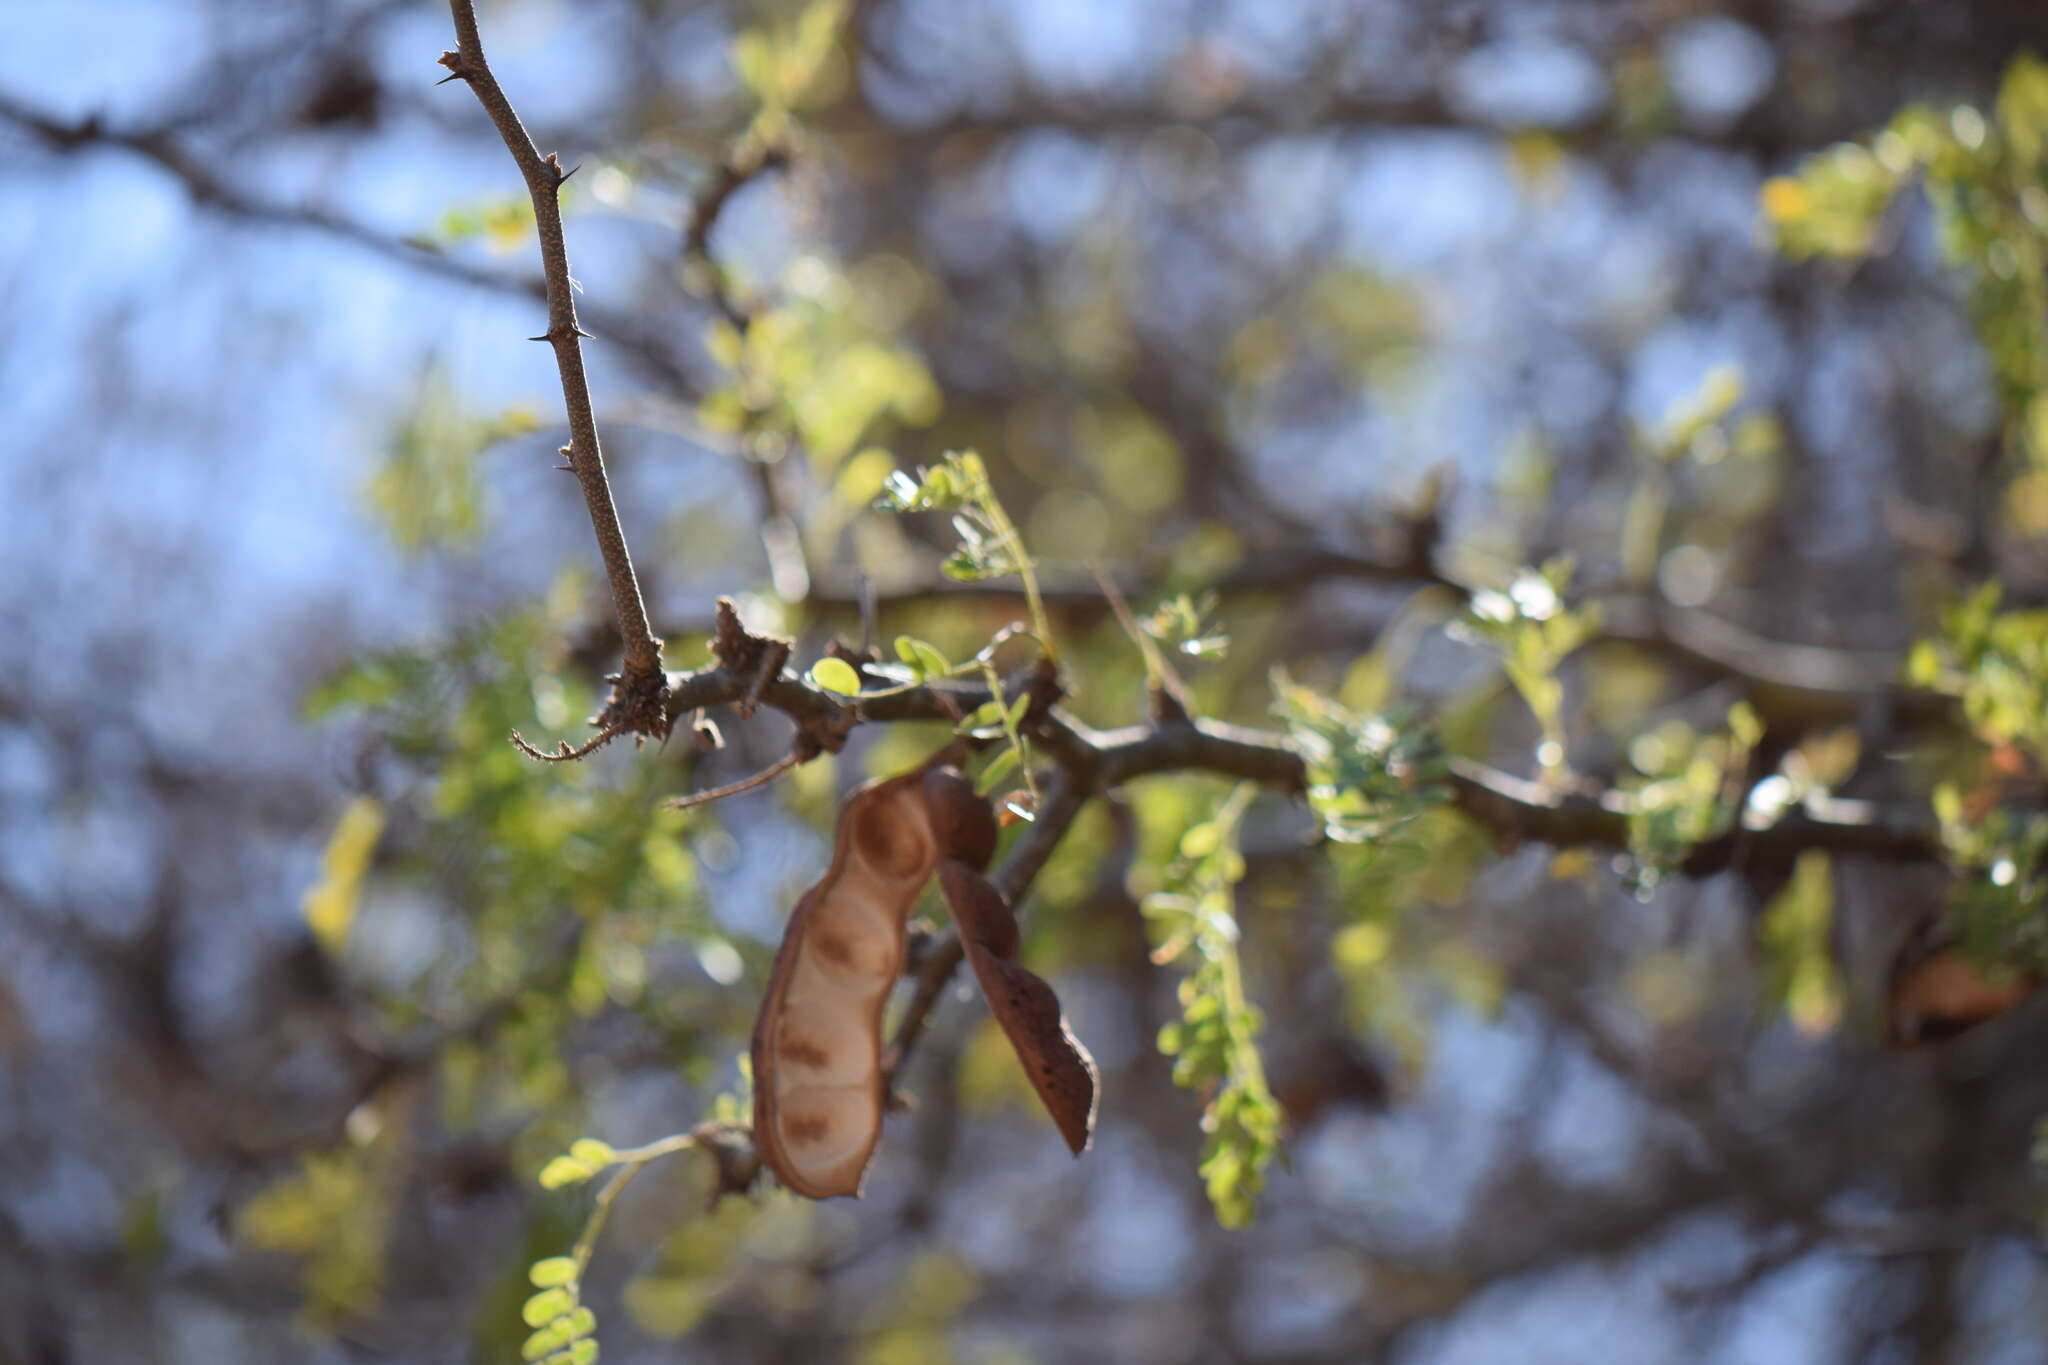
{"x":818,"y":1039}
{"x":1026,"y":1008}
{"x":962,"y":822}
{"x":818,"y":1086}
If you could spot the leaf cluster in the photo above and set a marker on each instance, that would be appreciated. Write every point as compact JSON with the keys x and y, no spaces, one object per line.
{"x":1214,"y":1044}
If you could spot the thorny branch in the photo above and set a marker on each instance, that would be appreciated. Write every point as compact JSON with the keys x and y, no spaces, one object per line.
{"x":750,"y":669}
{"x":1096,"y":760}
{"x":1089,"y":762}
{"x":636,"y":703}
{"x":1800,"y":684}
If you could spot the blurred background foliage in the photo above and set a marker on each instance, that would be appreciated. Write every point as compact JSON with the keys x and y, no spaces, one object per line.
{"x":1641,"y":406}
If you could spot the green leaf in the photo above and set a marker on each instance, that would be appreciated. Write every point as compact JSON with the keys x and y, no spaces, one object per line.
{"x":547,"y":1305}
{"x":1214,"y":1044}
{"x":551,"y":1337}
{"x":564,"y":1171}
{"x":329,"y":904}
{"x":836,"y":675}
{"x":987,"y":716}
{"x":923,"y":659}
{"x":553,"y":1271}
{"x":998,"y":768}
{"x":592,"y":1152}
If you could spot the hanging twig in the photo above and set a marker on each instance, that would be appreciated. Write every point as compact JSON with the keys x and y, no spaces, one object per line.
{"x":637,"y":699}
{"x":745,"y":784}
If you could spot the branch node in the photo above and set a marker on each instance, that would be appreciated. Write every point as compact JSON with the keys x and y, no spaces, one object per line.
{"x":772,"y":657}
{"x":739,"y":649}
{"x":729,"y":638}
{"x":731,"y":1149}
{"x":1168,"y":709}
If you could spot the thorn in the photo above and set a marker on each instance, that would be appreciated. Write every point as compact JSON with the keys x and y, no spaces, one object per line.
{"x":457,"y":68}
{"x":1168,"y":708}
{"x":562,"y":175}
{"x":729,"y":637}
{"x":542,"y":337}
{"x":772,"y":659}
{"x":566,"y":468}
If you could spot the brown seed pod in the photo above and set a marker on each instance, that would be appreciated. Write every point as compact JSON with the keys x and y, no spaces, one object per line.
{"x":818,"y":1087}
{"x":961,"y":821}
{"x":1941,"y":994}
{"x":1059,"y":1068}
{"x":818,"y":1038}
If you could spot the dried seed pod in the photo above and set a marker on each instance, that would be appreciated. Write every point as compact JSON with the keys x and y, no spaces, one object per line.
{"x":1941,"y":994}
{"x":962,"y":822}
{"x":818,"y":1087}
{"x":1060,"y":1069}
{"x":818,"y":1039}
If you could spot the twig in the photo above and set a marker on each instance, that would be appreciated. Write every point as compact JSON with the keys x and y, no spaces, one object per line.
{"x":1165,"y":677}
{"x":745,"y":784}
{"x":704,"y":216}
{"x":1510,"y":806}
{"x":564,"y":753}
{"x":636,"y":702}
{"x":631,"y":1162}
{"x":208,"y":191}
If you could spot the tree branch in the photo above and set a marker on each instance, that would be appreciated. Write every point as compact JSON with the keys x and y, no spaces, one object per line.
{"x":1796,"y":685}
{"x":636,"y":702}
{"x":161,"y":148}
{"x":1095,"y":760}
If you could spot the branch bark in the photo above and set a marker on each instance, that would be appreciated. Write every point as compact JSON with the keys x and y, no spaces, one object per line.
{"x":637,"y":701}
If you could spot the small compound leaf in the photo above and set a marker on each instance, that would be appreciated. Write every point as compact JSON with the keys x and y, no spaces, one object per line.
{"x":547,"y":1339}
{"x":592,"y":1152}
{"x":564,"y":1171}
{"x":922,"y":659}
{"x":547,"y":1305}
{"x":836,"y":675}
{"x":999,"y":768}
{"x":555,"y":1270}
